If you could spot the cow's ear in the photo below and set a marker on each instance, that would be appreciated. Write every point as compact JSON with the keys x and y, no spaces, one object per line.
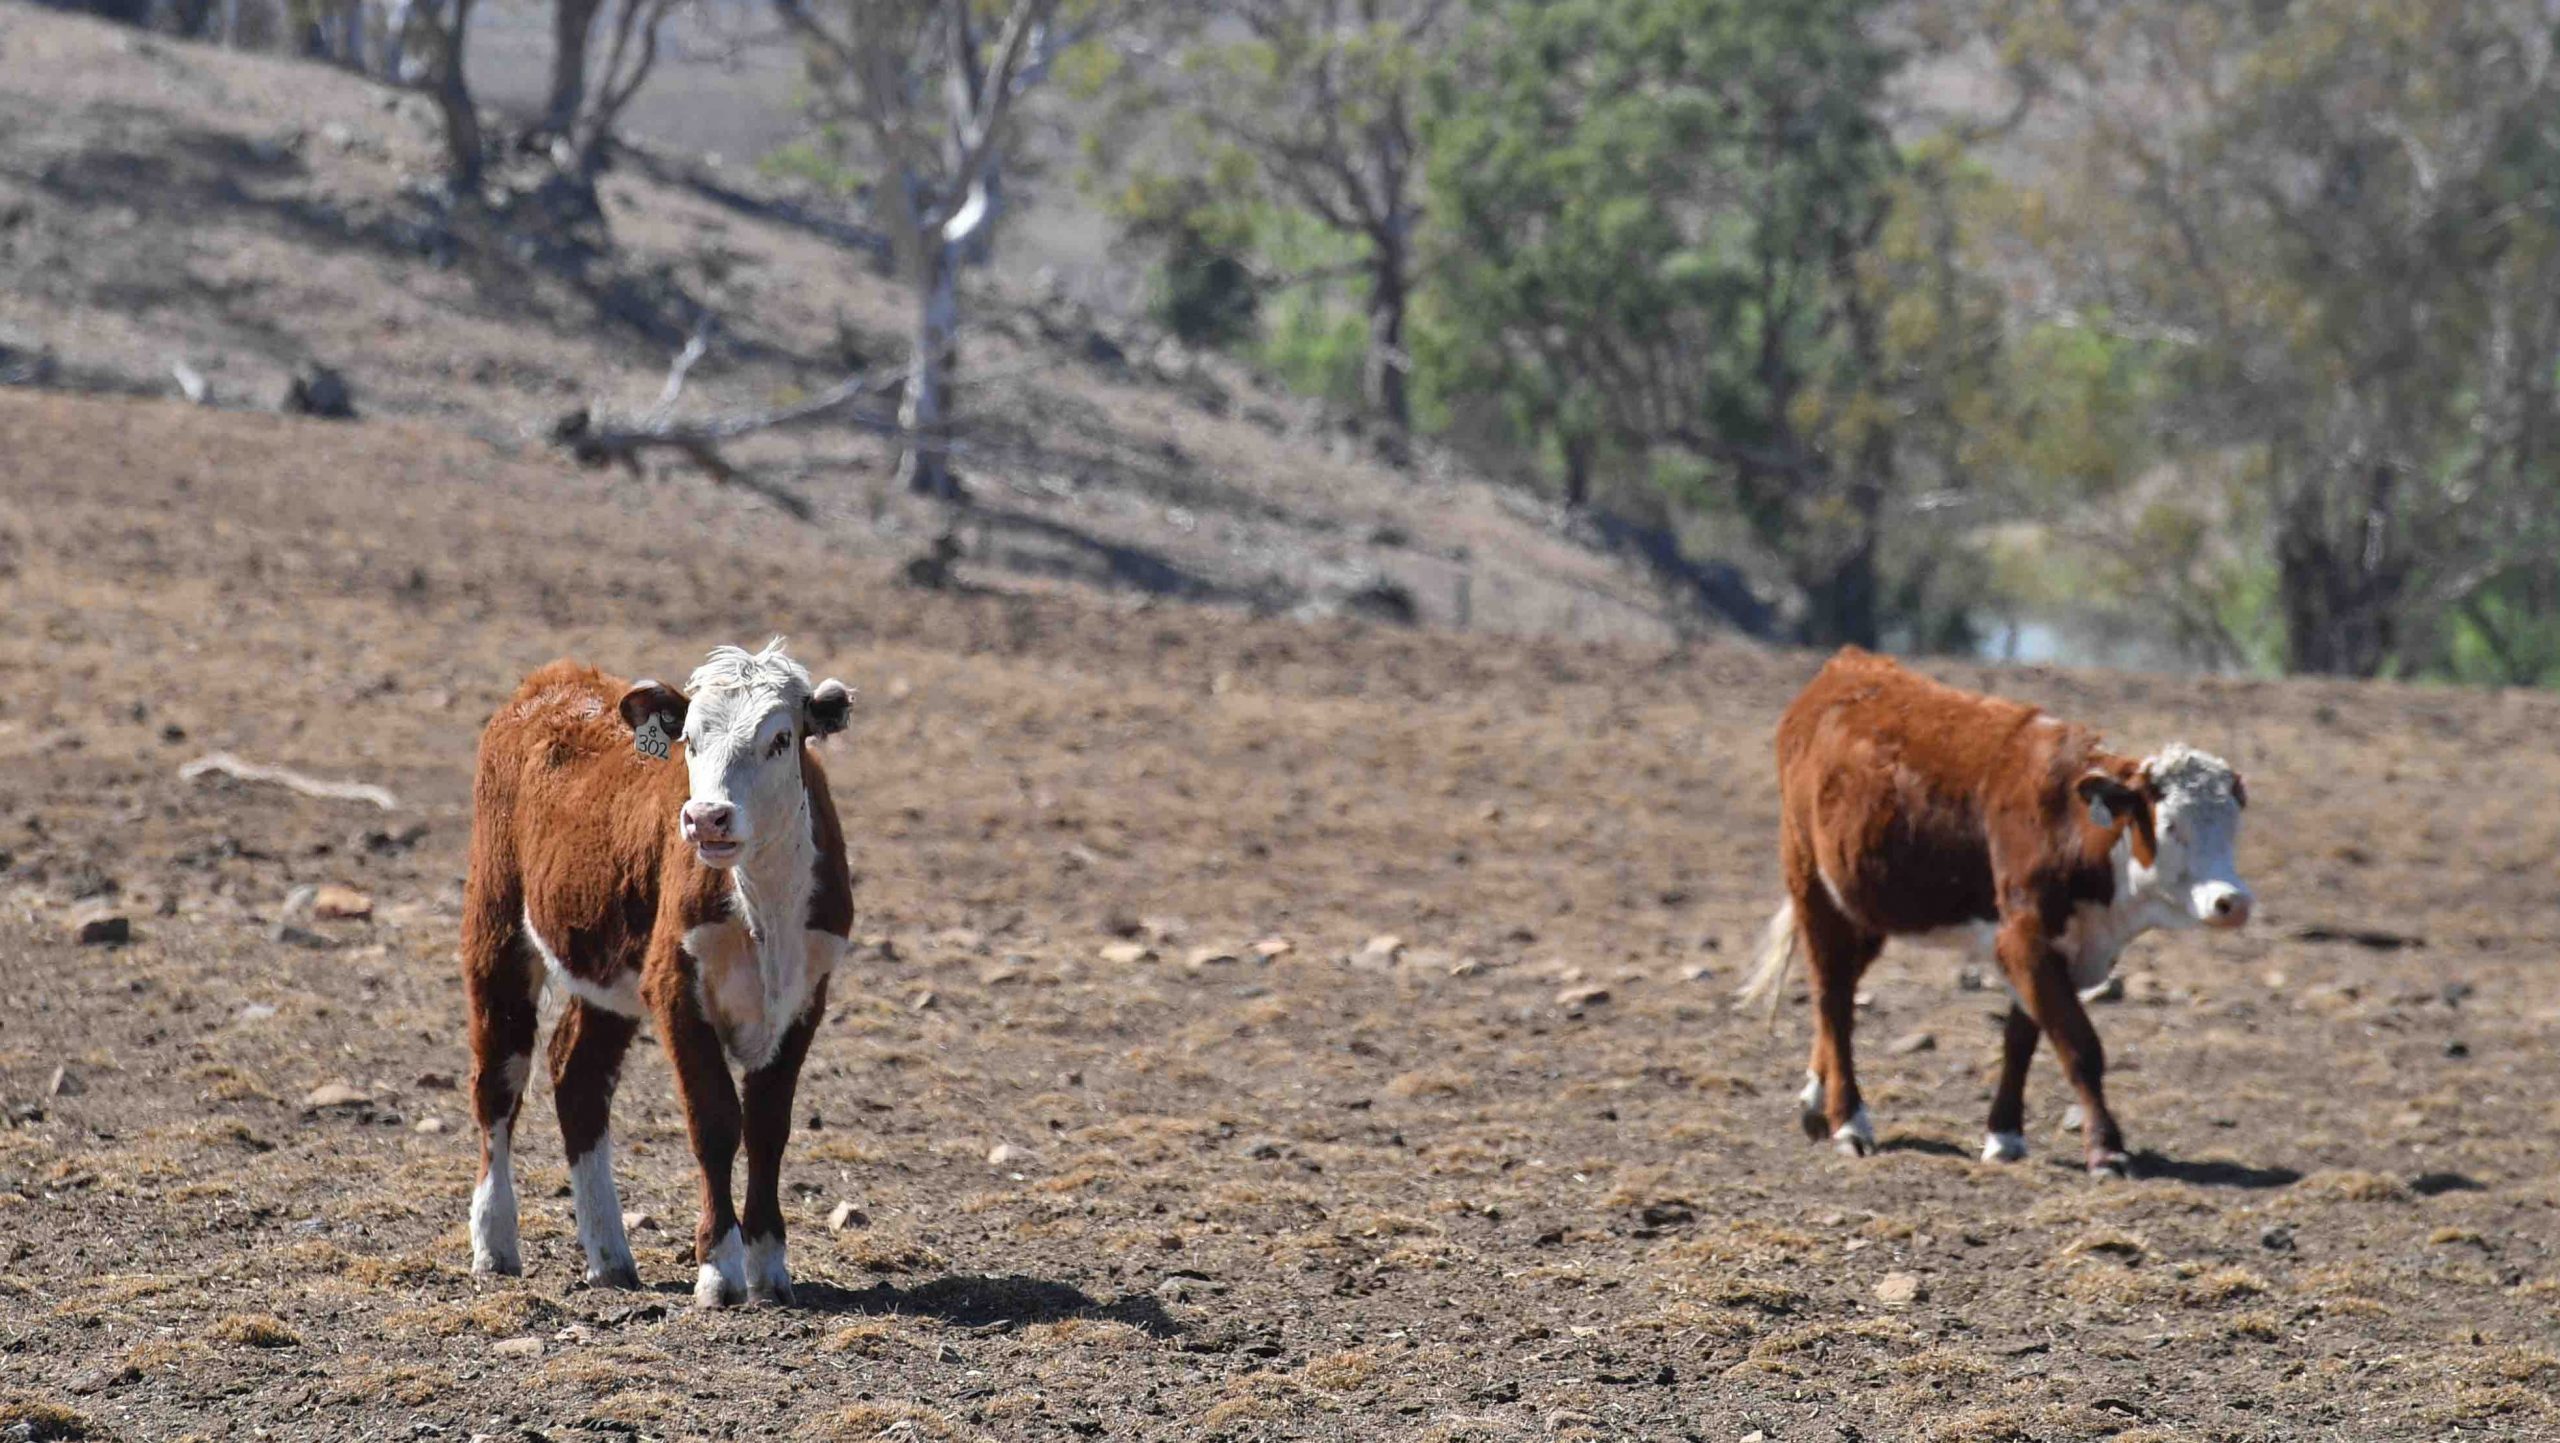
{"x":645,"y":699}
{"x":829,"y":708}
{"x":2108,"y":799}
{"x":2239,"y":790}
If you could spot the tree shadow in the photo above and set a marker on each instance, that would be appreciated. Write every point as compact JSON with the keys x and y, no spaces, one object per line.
{"x":987,"y":1301}
{"x":2436,"y":1184}
{"x":1079,"y":555}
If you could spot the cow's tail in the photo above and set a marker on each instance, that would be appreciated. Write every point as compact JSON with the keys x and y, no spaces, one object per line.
{"x":1768,"y":980}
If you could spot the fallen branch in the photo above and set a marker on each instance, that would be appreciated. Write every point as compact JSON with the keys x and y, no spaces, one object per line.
{"x":309,"y":786}
{"x":594,"y":442}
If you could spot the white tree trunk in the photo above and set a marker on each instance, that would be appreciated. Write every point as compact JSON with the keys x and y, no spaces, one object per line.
{"x":925,"y":413}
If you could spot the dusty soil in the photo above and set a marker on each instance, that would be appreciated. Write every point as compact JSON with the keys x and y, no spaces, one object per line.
{"x":1433,"y":1189}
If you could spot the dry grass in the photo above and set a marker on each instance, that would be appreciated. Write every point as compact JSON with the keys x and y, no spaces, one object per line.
{"x":253,"y":1330}
{"x":503,"y":1314}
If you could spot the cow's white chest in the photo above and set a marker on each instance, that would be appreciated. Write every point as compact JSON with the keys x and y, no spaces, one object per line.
{"x":2095,"y":938}
{"x":752,"y":988}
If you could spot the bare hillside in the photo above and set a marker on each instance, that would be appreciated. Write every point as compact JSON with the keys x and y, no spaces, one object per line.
{"x":164,"y":204}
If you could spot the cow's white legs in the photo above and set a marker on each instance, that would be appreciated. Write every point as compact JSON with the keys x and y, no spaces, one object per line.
{"x":723,"y":1280}
{"x":494,"y":1244}
{"x":1854,"y":1138}
{"x":1857,"y":1136}
{"x":599,"y":1211}
{"x":769,"y":1271}
{"x":1809,"y":1110}
{"x":2004,"y":1146}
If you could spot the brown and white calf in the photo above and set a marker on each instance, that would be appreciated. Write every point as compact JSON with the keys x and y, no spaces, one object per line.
{"x":1909,"y":807}
{"x":707,"y":897}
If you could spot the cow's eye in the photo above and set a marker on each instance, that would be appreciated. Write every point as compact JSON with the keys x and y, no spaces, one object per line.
{"x":779,"y":742}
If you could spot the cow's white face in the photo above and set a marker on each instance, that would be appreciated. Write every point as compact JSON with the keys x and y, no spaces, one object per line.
{"x":2184,"y":812}
{"x":742,"y":724}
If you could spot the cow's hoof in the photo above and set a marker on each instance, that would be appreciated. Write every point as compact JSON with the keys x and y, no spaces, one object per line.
{"x":710,"y":1290}
{"x":2004,"y":1146}
{"x":1816,"y":1126}
{"x":623,"y":1274}
{"x":2110,"y":1165}
{"x":776,"y":1292}
{"x":1857,"y":1136}
{"x":497,"y":1265}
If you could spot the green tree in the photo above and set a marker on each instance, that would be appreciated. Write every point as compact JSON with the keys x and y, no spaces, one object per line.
{"x":1306,"y":108}
{"x":1660,"y":227}
{"x":2338,"y":222}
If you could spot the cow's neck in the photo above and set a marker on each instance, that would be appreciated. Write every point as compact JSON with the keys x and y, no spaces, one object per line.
{"x":773,"y":882}
{"x":2100,"y":932}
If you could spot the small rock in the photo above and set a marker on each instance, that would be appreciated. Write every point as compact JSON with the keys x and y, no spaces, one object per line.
{"x":639,"y":1222}
{"x":2073,"y":1119}
{"x":293,"y":936}
{"x":2277,"y":1239}
{"x":1970,"y":980}
{"x":2457,"y":1048}
{"x":1005,"y":1154}
{"x":518,"y":1348}
{"x":1901,"y":1290}
{"x":925,"y":1001}
{"x":106,"y":930}
{"x":435,"y":1082}
{"x":846,"y":1216}
{"x":336,"y":903}
{"x":1127,"y":954}
{"x":431,"y":1126}
{"x":1912,"y":1042}
{"x":317,"y":390}
{"x":1385,"y":947}
{"x":1272,"y":949}
{"x":1210,"y":957}
{"x":1574,"y":999}
{"x":999,"y":975}
{"x":337,"y":1094}
{"x":1466,"y":967}
{"x":64,"y":1083}
{"x":1755,"y":1436}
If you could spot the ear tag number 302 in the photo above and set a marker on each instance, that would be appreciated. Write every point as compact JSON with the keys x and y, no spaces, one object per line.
{"x":652,"y":737}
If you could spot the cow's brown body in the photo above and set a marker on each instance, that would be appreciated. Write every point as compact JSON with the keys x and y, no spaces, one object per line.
{"x":574,"y":837}
{"x":1911,"y":807}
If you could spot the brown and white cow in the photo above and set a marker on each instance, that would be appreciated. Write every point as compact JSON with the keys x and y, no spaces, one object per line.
{"x":1909,"y":807}
{"x":706,"y":896}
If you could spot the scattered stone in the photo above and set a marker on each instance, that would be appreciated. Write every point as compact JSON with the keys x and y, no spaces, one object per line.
{"x":1272,"y":949}
{"x":1697,"y":972}
{"x":431,"y":1126}
{"x":1210,"y":957}
{"x":1385,"y":947}
{"x":105,"y":930}
{"x":2073,"y":1119}
{"x":1005,"y":1154}
{"x":1264,"y":1149}
{"x":1127,"y":954}
{"x":1755,"y":1436}
{"x":337,"y":1094}
{"x":337,"y":903}
{"x":317,"y":390}
{"x":2277,"y":1239}
{"x":1911,"y":1043}
{"x":999,"y":975}
{"x":1901,"y":1290}
{"x":1466,"y":967}
{"x":926,"y":1001}
{"x":64,"y":1083}
{"x":2457,"y":1048}
{"x":1970,"y":980}
{"x":255,"y":1012}
{"x":435,"y":1082}
{"x":518,"y":1348}
{"x":1574,"y":999}
{"x":293,"y":936}
{"x":846,"y":1216}
{"x":634,"y":1221}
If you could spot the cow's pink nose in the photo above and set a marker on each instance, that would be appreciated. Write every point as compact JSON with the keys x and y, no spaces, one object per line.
{"x":709,"y":821}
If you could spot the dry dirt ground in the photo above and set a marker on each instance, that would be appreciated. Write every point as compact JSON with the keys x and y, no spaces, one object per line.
{"x":1430,"y":1190}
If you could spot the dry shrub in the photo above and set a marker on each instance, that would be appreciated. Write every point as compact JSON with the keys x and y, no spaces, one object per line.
{"x":2344,"y":1185}
{"x":2259,"y":1327}
{"x":2107,"y":1242}
{"x":254,"y":1330}
{"x":870,"y":1338}
{"x":1340,"y":1372}
{"x":41,"y":1417}
{"x":498,"y":1315}
{"x":1107,"y":1335}
{"x":1431,"y":1082}
{"x":902,"y":1420}
{"x":375,"y":1384}
{"x":2224,"y":1285}
{"x":1945,"y":1364}
{"x":2476,"y":1402}
{"x":639,"y":1405}
{"x":874,"y":1252}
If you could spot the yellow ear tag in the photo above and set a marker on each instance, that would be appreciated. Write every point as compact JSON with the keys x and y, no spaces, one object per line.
{"x":651,"y":737}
